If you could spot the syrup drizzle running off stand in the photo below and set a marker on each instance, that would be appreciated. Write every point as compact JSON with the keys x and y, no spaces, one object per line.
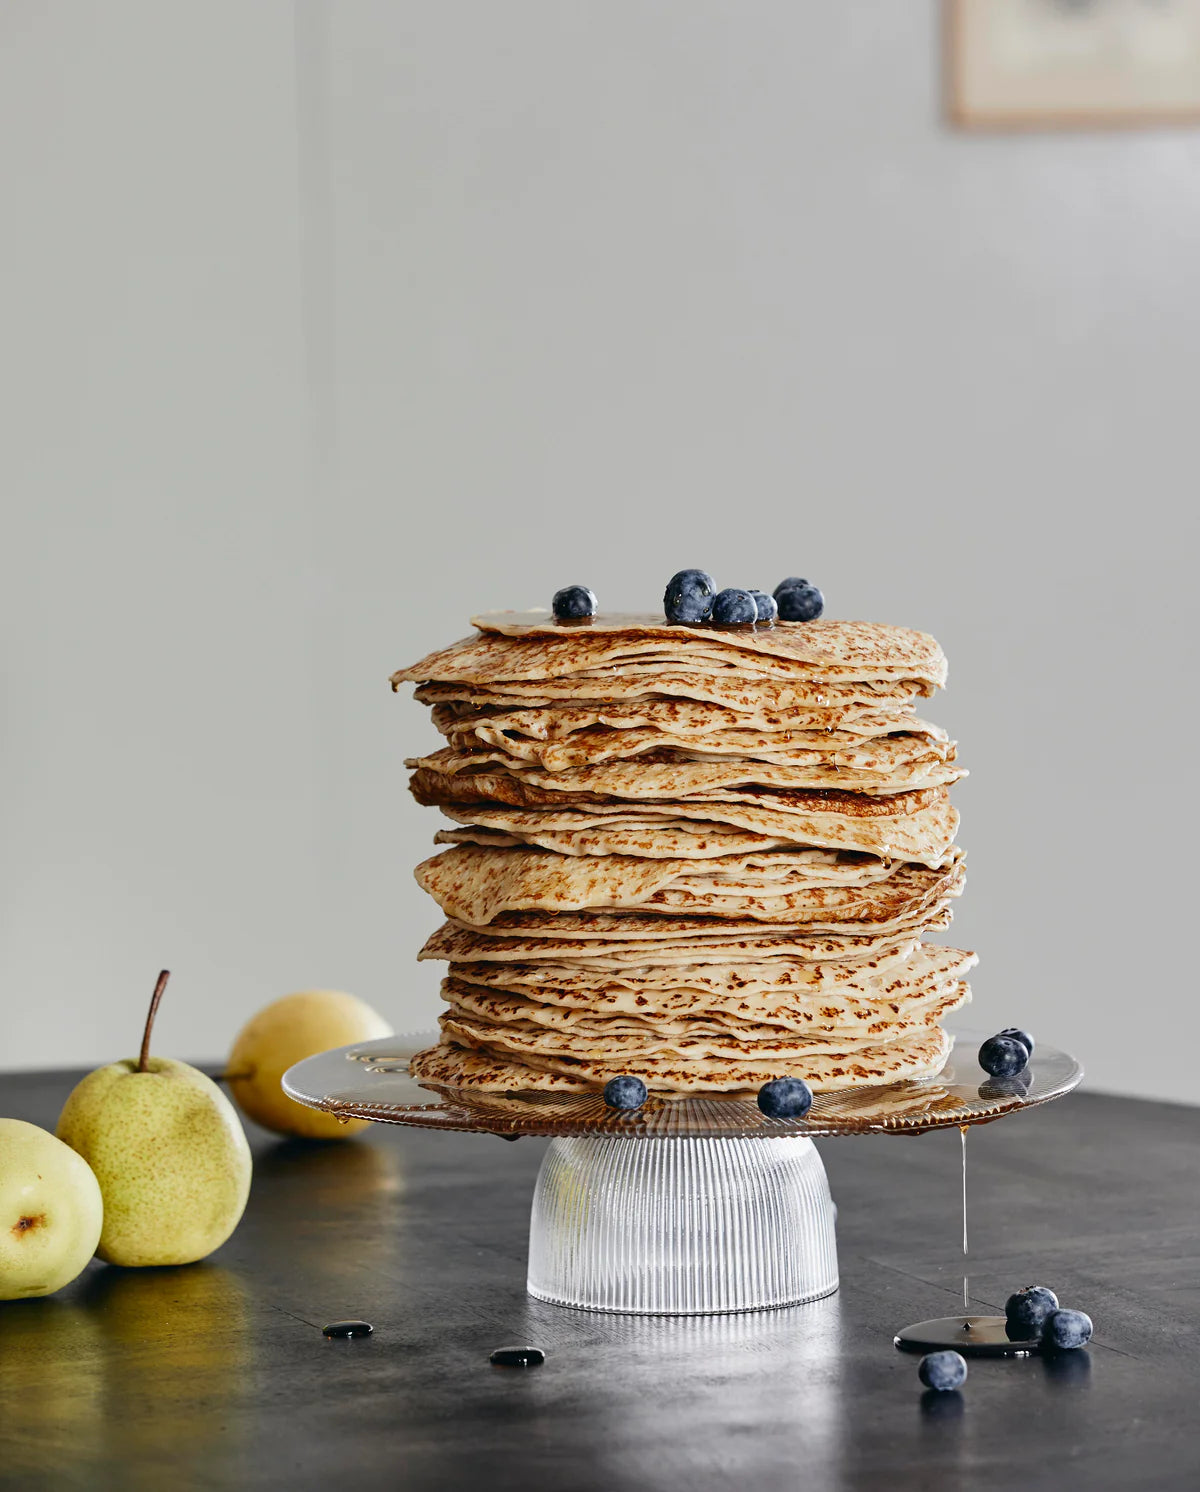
{"x":972,"y":1334}
{"x":962,"y":1129}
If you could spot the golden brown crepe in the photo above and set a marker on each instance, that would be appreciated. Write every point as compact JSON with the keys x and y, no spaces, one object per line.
{"x":706,"y":856}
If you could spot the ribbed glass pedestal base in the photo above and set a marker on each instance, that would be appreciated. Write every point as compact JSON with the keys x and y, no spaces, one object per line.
{"x":681,"y":1226}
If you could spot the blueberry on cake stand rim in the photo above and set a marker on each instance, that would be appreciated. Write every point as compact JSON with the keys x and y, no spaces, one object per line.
{"x":689,"y":1205}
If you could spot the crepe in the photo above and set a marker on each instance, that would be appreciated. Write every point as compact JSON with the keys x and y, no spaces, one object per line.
{"x":683,"y":720}
{"x":913,"y":826}
{"x":651,"y":839}
{"x":475,"y":885}
{"x":821,"y":753}
{"x":869,"y":741}
{"x":706,"y":856}
{"x":505,"y":1022}
{"x":826,"y":999}
{"x":530,"y":646}
{"x":450,"y":1064}
{"x":893,"y":764}
{"x":661,"y":941}
{"x":731,"y":690}
{"x":789,"y":987}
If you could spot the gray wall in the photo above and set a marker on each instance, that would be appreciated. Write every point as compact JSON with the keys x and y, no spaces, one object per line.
{"x":325,"y":327}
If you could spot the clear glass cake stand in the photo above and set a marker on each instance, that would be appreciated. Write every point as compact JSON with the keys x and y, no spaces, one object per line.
{"x":686,"y":1206}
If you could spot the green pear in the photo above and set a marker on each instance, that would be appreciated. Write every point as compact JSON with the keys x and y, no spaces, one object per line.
{"x":168,"y":1151}
{"x":50,"y":1211}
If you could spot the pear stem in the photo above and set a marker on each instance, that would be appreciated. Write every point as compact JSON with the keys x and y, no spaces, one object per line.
{"x":144,"y":1059}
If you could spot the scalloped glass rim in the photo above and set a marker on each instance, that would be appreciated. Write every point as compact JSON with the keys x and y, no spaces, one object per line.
{"x":369,"y":1080}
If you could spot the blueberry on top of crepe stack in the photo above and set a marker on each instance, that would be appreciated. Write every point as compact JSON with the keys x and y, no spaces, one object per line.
{"x":704,"y":856}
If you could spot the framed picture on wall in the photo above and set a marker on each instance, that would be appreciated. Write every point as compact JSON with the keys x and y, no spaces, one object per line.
{"x":1063,"y":63}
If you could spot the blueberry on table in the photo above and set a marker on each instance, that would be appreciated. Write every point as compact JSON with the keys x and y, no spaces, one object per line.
{"x":798,"y":601}
{"x":1003,"y":1056}
{"x":785,"y":1098}
{"x":767,"y":608}
{"x":573,"y":602}
{"x":1018,"y":1035}
{"x":1025,"y":1312}
{"x":625,"y":1093}
{"x":734,"y":608}
{"x":689,"y":596}
{"x":943,"y":1370}
{"x":1065,"y":1331}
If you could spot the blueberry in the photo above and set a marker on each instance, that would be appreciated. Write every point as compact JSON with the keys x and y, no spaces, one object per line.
{"x":799,"y":601}
{"x":733,"y":608}
{"x":625,"y":1093}
{"x":943,"y":1370}
{"x":689,"y":596}
{"x":1003,"y":1056}
{"x":767,"y":608}
{"x":785,"y":1098}
{"x":573,"y":602}
{"x":1066,"y":1330}
{"x":1025,"y":1312}
{"x":1018,"y":1035}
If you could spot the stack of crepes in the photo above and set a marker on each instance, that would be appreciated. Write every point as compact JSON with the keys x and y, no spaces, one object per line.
{"x":705,"y":857}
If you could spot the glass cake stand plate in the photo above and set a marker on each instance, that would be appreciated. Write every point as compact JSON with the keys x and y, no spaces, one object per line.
{"x":370,"y":1081}
{"x":686,"y":1205}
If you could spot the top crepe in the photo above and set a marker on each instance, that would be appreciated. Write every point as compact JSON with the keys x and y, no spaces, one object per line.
{"x":531,"y":645}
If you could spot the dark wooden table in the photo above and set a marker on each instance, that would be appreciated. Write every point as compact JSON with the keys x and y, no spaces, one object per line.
{"x":217,"y":1375}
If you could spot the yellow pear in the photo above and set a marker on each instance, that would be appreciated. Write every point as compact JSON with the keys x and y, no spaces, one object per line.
{"x":168,"y":1151}
{"x":284,"y":1033}
{"x":50,"y":1211}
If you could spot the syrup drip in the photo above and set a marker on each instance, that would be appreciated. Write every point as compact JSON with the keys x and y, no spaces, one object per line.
{"x":966,"y":1304}
{"x":978,"y":1336}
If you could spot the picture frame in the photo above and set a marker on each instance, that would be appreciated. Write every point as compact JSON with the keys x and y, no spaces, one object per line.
{"x":1071,"y":64}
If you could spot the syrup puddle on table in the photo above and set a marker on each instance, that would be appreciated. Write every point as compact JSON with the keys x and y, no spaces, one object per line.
{"x":343,"y":1329}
